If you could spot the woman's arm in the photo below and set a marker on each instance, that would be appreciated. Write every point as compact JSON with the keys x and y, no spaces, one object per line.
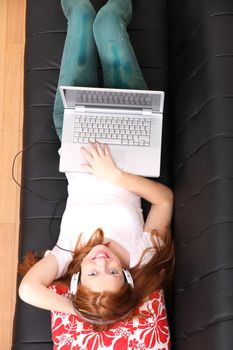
{"x":159,"y":195}
{"x":101,"y":164}
{"x":33,"y":288}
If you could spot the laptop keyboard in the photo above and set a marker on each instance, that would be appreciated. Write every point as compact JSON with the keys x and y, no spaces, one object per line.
{"x":112,"y":130}
{"x":112,"y":97}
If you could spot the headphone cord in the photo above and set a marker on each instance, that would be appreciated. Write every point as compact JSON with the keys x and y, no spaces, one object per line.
{"x":25,"y":189}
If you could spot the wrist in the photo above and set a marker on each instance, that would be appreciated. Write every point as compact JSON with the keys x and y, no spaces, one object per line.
{"x":116,"y":177}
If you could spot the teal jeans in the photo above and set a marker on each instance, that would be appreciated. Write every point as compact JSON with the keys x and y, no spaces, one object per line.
{"x":90,"y":34}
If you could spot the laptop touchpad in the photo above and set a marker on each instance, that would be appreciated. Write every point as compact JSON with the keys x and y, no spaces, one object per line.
{"x":119,"y":158}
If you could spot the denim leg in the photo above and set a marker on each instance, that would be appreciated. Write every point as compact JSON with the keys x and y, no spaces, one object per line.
{"x":79,"y":59}
{"x":119,"y":63}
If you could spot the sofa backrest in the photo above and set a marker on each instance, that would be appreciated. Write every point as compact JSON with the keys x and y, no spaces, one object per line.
{"x":201,"y":70}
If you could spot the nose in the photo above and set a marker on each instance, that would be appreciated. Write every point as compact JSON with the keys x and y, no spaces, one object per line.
{"x":102,"y":263}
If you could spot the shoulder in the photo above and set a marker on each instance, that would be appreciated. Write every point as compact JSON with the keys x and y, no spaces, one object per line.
{"x":145,"y":242}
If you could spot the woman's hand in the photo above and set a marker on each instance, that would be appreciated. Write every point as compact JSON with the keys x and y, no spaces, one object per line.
{"x":100,"y":162}
{"x":34,"y":287}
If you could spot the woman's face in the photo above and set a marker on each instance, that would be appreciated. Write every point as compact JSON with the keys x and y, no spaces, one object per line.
{"x":101,"y":270}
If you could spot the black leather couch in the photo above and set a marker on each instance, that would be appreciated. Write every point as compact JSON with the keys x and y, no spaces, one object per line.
{"x":185,"y":48}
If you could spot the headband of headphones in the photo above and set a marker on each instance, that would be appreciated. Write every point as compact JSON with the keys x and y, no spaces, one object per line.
{"x":76,"y":277}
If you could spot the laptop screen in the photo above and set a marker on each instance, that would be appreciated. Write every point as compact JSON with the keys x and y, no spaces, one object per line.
{"x":120,"y":98}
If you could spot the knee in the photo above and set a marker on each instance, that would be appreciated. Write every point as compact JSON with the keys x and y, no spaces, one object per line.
{"x":79,"y":11}
{"x":107,"y":24}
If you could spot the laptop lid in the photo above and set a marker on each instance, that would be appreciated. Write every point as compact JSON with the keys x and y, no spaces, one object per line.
{"x":73,"y":96}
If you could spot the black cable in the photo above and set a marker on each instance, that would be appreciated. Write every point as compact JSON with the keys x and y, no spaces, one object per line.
{"x":26,"y":189}
{"x":66,"y":250}
{"x":53,"y":217}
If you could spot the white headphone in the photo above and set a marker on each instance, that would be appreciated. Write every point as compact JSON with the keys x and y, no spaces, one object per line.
{"x":74,"y":283}
{"x":128,"y":277}
{"x":76,"y":276}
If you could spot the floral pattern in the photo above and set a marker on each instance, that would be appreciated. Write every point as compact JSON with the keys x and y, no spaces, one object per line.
{"x":69,"y":332}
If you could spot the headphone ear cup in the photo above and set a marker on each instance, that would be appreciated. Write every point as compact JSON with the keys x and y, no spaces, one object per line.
{"x":74,"y":283}
{"x":128,"y":277}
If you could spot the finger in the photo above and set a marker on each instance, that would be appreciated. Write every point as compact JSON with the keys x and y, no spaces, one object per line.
{"x":87,"y":168}
{"x":108,"y":153}
{"x":106,"y":149}
{"x":86,"y":154}
{"x":92,"y":148}
{"x":100,"y":148}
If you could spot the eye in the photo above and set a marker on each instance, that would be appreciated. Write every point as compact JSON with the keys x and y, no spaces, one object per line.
{"x":92,"y":273}
{"x":113,"y":272}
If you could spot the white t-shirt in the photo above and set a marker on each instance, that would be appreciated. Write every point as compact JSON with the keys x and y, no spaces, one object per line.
{"x":93,"y":203}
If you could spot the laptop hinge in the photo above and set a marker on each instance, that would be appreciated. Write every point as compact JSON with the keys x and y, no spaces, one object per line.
{"x":79,"y":108}
{"x":146,"y":111}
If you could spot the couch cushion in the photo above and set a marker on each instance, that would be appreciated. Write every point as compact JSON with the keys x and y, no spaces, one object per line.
{"x":43,"y":196}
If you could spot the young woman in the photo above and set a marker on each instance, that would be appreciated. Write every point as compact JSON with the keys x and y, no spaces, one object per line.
{"x":109,"y":257}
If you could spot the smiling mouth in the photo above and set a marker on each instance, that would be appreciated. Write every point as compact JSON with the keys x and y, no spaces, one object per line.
{"x":101,"y":254}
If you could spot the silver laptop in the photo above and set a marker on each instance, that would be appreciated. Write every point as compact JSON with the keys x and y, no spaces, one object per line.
{"x":130,"y":121}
